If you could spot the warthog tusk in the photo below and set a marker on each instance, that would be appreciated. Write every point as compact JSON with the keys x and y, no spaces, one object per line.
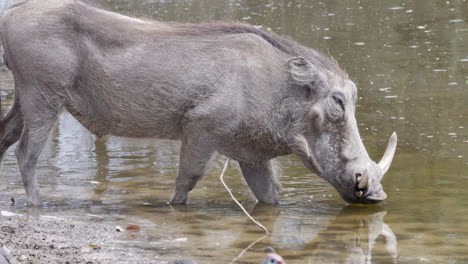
{"x":358,"y":194}
{"x":359,"y":178}
{"x":363,"y":180}
{"x":387,"y":158}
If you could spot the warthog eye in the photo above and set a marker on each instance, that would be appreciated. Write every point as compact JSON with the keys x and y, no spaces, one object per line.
{"x":339,"y":99}
{"x":335,"y":107}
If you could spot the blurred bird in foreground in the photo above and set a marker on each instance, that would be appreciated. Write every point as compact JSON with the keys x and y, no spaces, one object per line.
{"x":271,"y":257}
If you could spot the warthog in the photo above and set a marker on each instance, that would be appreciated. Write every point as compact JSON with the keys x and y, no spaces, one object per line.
{"x":226,"y":87}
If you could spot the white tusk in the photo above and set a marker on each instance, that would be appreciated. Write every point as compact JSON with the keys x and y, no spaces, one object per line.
{"x":387,"y":158}
{"x":363,"y":181}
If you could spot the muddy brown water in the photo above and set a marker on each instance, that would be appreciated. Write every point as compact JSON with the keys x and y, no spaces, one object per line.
{"x":410,"y":62}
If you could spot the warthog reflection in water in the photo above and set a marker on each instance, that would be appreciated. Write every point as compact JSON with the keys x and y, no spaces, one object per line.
{"x":353,"y":234}
{"x":352,"y":237}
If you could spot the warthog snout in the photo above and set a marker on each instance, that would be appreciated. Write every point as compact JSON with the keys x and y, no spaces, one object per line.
{"x":365,"y":191}
{"x":368,"y":189}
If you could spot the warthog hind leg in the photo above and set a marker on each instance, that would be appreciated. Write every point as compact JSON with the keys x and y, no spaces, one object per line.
{"x":10,"y":128}
{"x":261,"y":178}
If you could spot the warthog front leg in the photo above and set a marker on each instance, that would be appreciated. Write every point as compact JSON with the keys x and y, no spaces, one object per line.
{"x":261,"y":178}
{"x":194,"y":157}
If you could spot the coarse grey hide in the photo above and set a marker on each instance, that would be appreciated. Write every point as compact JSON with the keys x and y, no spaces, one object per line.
{"x":218,"y":87}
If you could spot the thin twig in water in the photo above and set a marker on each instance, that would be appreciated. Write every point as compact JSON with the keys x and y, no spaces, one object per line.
{"x":235,"y":200}
{"x":247,"y":248}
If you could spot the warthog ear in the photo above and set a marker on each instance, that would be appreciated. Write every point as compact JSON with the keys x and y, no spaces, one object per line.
{"x":302,"y":71}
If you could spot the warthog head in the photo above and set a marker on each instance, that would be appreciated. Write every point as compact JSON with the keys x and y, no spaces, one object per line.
{"x":329,"y":144}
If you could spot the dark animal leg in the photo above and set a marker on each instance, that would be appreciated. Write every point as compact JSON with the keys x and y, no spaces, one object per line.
{"x":39,"y":119}
{"x":261,"y":178}
{"x":194,"y":157}
{"x":10,"y":128}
